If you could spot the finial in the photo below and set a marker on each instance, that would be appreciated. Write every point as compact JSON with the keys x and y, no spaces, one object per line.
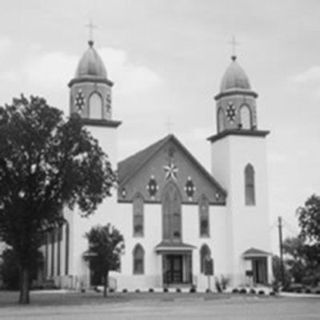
{"x":91,"y":26}
{"x":169,"y":125}
{"x":233,"y":43}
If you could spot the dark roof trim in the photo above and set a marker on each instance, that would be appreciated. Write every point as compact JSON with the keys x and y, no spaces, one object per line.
{"x":235,"y":91}
{"x":171,"y":247}
{"x":130,"y":201}
{"x":90,"y":79}
{"x":239,"y":132}
{"x":255,"y":253}
{"x":101,"y":123}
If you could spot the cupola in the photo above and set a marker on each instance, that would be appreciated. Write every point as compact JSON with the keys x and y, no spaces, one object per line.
{"x":236,"y":101}
{"x":90,"y":89}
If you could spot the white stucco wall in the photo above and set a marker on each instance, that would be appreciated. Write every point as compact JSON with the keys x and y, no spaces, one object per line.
{"x":248,"y":226}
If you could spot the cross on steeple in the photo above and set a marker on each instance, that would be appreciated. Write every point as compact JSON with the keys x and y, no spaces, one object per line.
{"x":234,"y":44}
{"x":169,"y":125}
{"x":91,"y":26}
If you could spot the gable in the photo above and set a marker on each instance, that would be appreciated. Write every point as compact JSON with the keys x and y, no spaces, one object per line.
{"x":148,"y":172}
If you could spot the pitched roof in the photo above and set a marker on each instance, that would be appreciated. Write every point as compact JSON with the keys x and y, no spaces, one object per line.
{"x":253,"y":252}
{"x":131,"y":165}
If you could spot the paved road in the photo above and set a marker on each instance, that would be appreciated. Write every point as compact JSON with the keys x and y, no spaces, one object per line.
{"x":234,"y":308}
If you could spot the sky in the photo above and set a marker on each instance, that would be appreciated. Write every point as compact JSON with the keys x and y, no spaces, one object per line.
{"x":167,"y":58}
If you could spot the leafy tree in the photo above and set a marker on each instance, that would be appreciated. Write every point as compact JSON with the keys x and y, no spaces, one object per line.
{"x":295,"y":261}
{"x":309,"y":220}
{"x":105,"y":247}
{"x":46,"y":163}
{"x":9,"y":269}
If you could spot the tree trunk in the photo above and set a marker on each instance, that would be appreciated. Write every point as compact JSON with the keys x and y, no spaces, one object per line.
{"x":105,"y":284}
{"x":24,"y":286}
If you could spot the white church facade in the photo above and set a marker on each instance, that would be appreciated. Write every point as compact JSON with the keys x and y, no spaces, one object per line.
{"x":174,"y":214}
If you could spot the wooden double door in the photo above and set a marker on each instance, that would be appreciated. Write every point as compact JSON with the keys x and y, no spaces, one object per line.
{"x":177,"y":269}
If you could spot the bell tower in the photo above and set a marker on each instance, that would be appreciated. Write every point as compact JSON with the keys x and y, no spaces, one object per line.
{"x":91,"y":98}
{"x":239,"y":162}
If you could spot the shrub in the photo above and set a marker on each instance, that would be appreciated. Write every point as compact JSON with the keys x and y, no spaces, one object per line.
{"x":165,"y":290}
{"x":151,"y":290}
{"x":243,"y":290}
{"x":125,"y":290}
{"x":235,"y":290}
{"x":252,"y":291}
{"x":137,"y":290}
{"x":178,"y":290}
{"x":261,"y":292}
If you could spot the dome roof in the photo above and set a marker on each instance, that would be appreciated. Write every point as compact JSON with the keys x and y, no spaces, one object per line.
{"x":91,"y":65}
{"x":234,"y":78}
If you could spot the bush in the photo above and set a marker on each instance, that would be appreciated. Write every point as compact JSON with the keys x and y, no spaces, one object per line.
{"x":252,"y":291}
{"x":125,"y":290}
{"x":193,"y":289}
{"x":151,"y":290}
{"x":178,"y":290}
{"x":261,"y":292}
{"x":235,"y":290}
{"x":243,"y":290}
{"x":165,"y":290}
{"x":137,"y":290}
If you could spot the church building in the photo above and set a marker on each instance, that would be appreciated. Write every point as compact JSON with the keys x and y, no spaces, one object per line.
{"x":178,"y":220}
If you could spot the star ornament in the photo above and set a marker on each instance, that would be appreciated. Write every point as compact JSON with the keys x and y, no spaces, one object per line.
{"x":171,"y":171}
{"x":231,"y":113}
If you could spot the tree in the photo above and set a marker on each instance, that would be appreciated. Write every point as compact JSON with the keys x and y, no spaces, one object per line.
{"x":309,"y":220}
{"x":105,"y":247}
{"x":295,"y":261}
{"x":46,"y":163}
{"x":9,"y":269}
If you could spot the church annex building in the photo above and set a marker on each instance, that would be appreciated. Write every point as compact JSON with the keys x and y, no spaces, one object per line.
{"x":174,"y":214}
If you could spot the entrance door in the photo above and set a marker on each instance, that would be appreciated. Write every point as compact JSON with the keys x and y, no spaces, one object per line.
{"x":172,"y":269}
{"x":259,"y":268}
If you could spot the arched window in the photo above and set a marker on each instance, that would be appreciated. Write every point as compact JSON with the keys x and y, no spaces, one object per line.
{"x":204,"y":217}
{"x":171,"y":213}
{"x":138,"y":260}
{"x":95,"y":106}
{"x":205,"y":254}
{"x":245,"y":117}
{"x":138,"y":221}
{"x":249,"y":185}
{"x":220,"y":120}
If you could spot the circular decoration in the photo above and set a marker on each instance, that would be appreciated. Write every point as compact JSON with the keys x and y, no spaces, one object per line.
{"x":152,"y":187}
{"x":231,"y":112}
{"x":79,"y":100}
{"x":217,"y":196}
{"x":190,"y":188}
{"x":123,"y":193}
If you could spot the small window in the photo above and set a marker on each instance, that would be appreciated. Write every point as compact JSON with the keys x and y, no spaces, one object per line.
{"x":220,"y":120}
{"x":205,"y":254}
{"x":245,"y":116}
{"x":249,"y":185}
{"x":138,"y":216}
{"x":204,"y":217}
{"x":95,"y":106}
{"x":138,"y":260}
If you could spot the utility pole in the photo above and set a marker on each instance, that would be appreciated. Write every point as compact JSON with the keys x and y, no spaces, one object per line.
{"x":281,"y":250}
